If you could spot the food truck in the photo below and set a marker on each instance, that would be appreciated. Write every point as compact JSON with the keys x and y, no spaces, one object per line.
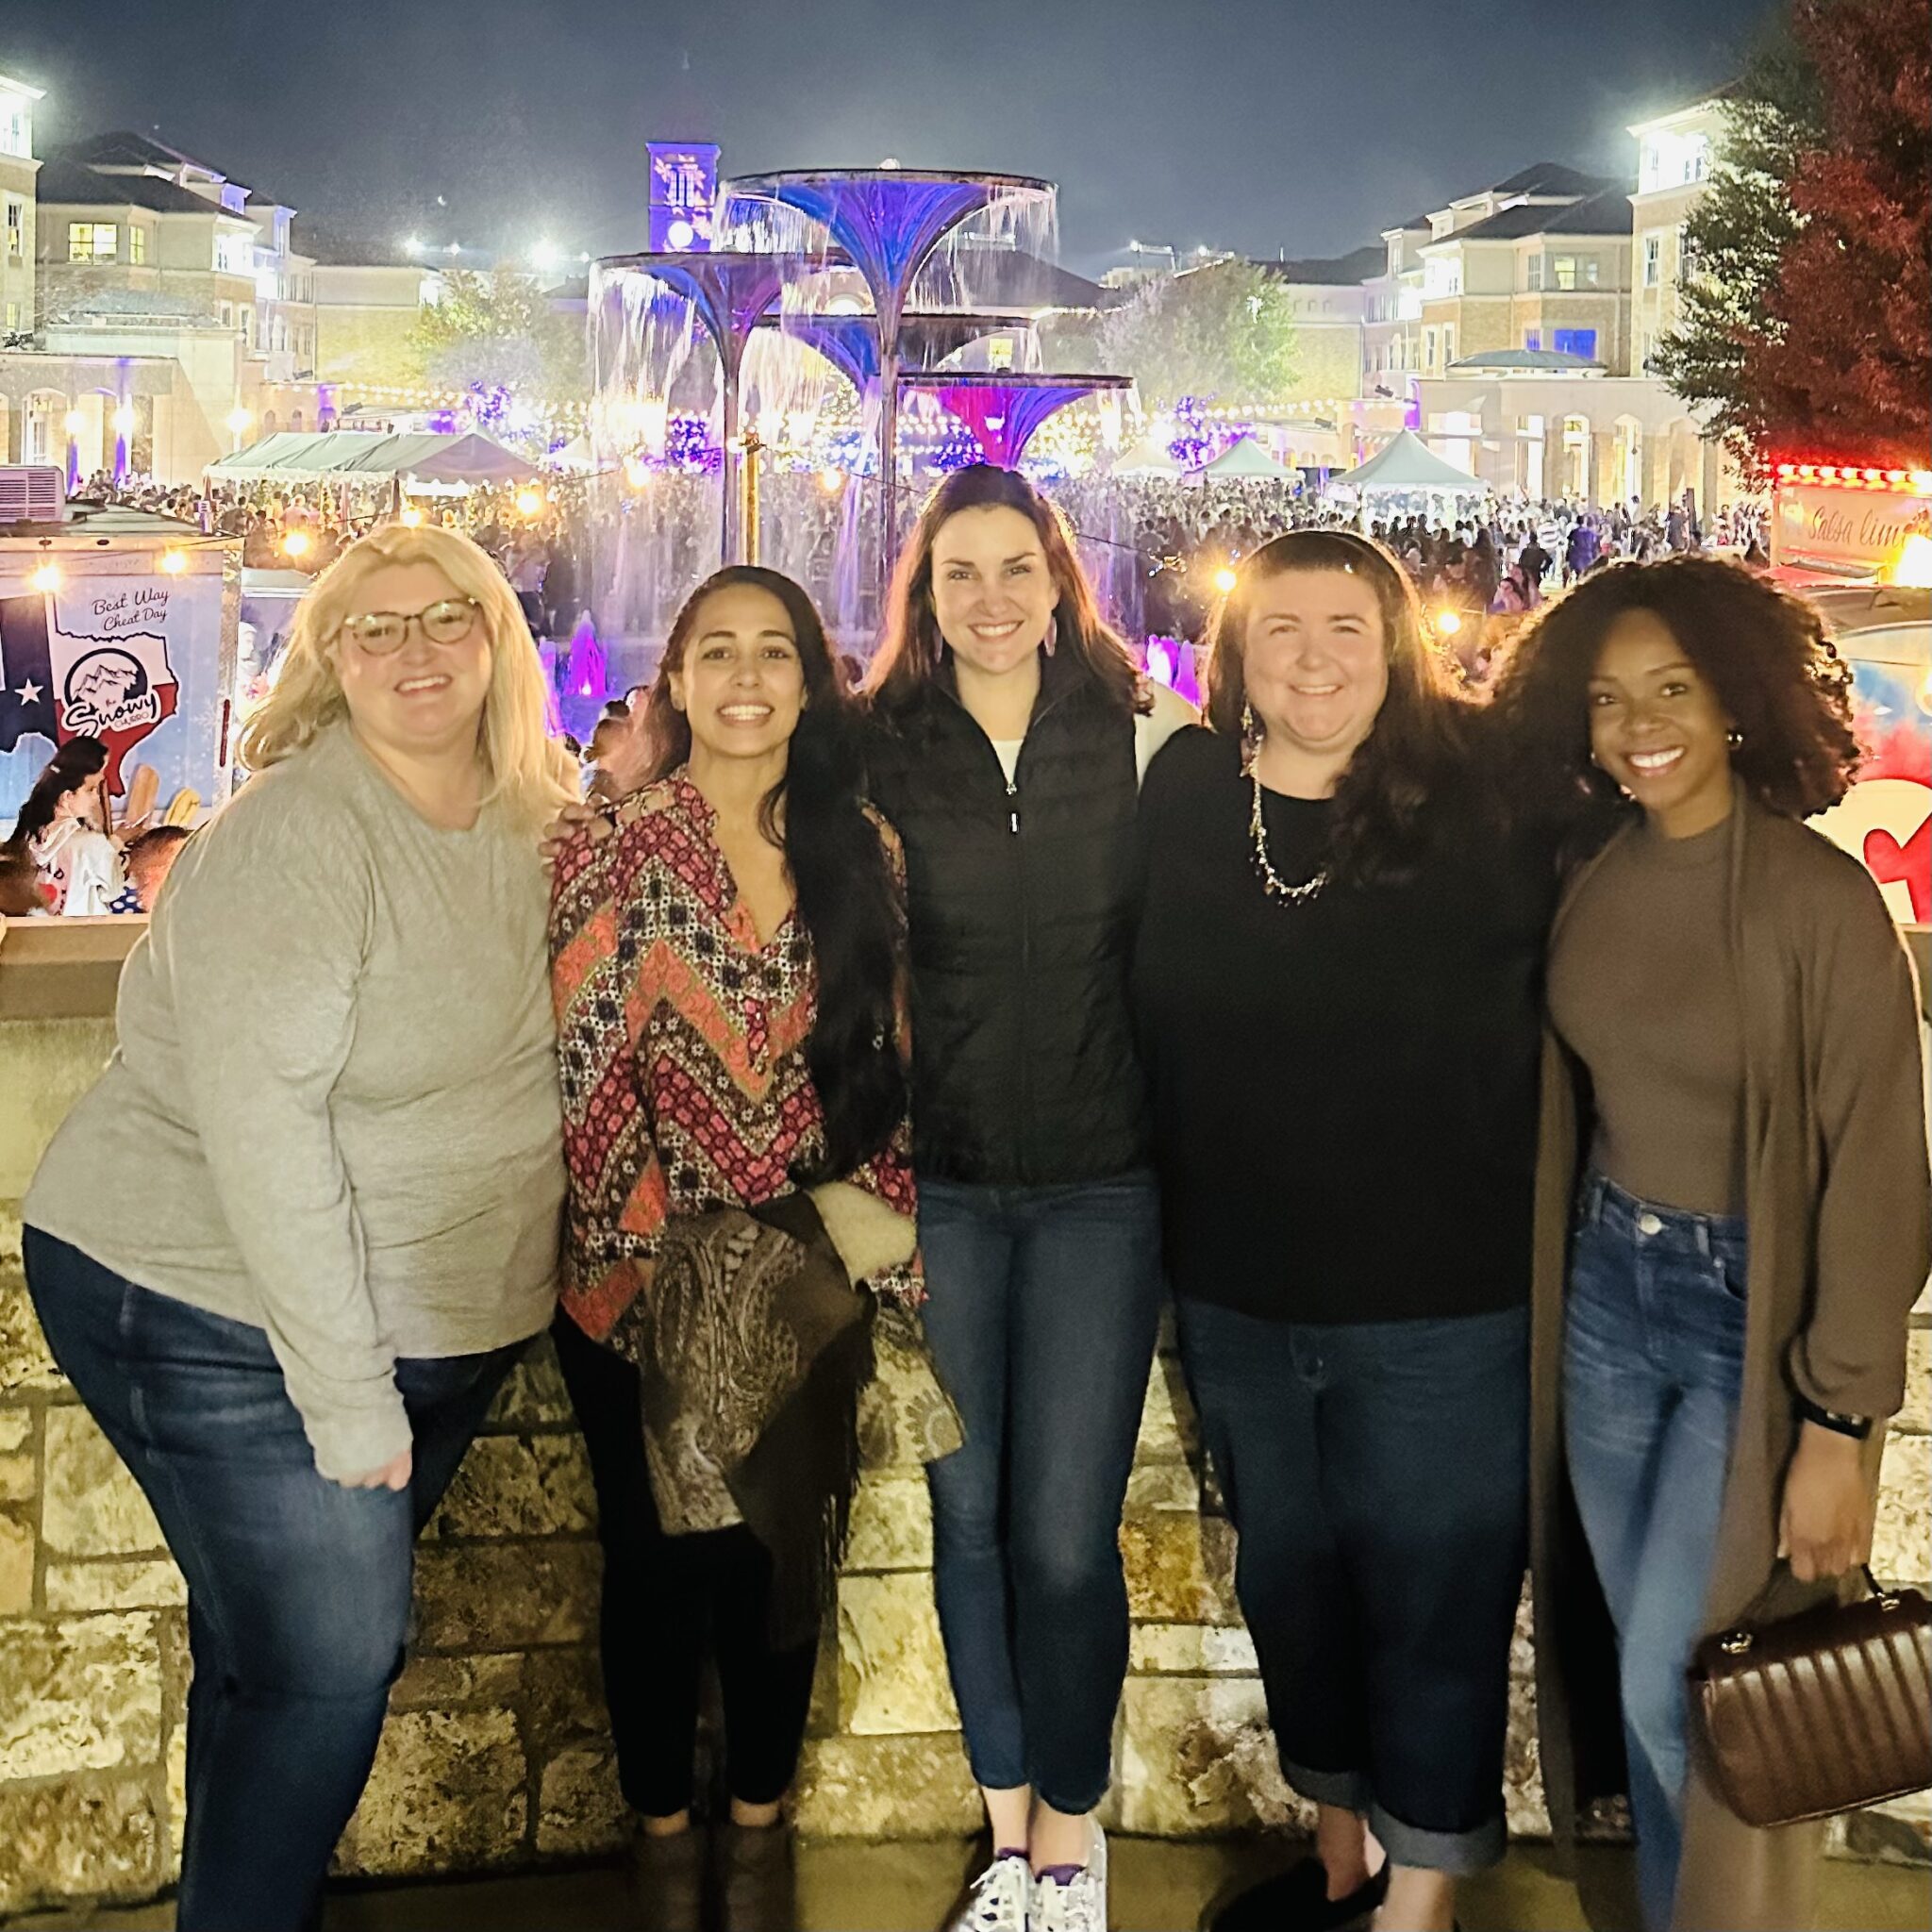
{"x":1859,"y":543}
{"x":118,"y":624}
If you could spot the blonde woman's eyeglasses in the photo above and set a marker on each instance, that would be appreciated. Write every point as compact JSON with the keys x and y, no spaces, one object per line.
{"x":381,"y":633}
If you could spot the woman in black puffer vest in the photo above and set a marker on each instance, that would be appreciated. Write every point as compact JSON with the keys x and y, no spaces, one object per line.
{"x":1010,"y":729}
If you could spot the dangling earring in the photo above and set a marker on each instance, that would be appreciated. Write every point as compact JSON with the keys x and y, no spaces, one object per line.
{"x":1053,"y":632}
{"x":1734,"y":738}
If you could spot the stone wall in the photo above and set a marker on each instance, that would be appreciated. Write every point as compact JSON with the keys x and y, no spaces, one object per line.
{"x":497,"y":1750}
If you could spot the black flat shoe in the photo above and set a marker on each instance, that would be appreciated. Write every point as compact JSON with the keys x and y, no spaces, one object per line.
{"x":1297,"y":1901}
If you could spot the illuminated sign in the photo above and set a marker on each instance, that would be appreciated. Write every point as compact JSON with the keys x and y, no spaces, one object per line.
{"x":1854,"y":531}
{"x":684,"y":186}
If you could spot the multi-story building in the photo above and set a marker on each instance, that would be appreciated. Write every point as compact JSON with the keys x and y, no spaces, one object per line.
{"x":1329,"y":297}
{"x":17,"y":168}
{"x":161,"y":310}
{"x":1535,"y":322}
{"x":369,"y":296}
{"x":1673,"y":161}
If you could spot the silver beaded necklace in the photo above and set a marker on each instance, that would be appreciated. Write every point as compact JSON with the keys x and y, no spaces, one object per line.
{"x":1272,"y":882}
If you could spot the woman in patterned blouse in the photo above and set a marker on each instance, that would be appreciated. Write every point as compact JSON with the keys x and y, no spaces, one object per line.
{"x":725,"y":968}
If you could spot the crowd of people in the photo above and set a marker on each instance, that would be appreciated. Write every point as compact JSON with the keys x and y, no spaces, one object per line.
{"x":956,"y":1023}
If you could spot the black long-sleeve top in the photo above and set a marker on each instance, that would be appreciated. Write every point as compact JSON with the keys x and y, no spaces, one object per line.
{"x":1344,"y":1091}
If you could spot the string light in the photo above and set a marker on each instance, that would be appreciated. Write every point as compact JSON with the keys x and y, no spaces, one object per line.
{"x":74,"y":423}
{"x":529,"y":500}
{"x":412,"y":517}
{"x":297,"y":542}
{"x":46,"y":575}
{"x":174,"y":562}
{"x":122,"y":420}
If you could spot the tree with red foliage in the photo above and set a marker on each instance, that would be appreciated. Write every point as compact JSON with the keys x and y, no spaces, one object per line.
{"x":1845,"y":366}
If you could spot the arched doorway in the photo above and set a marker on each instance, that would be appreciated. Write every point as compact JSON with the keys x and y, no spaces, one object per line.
{"x":43,"y":437}
{"x":1574,"y":472}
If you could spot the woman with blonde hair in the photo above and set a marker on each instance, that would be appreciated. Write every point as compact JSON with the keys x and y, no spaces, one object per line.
{"x":332,"y":1126}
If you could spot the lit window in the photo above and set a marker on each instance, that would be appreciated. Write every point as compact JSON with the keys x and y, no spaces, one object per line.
{"x":137,"y":245}
{"x":1653,"y":260}
{"x":16,"y":230}
{"x":16,"y":132}
{"x":1564,"y":269}
{"x":93,"y":240}
{"x":1533,"y":340}
{"x":1576,"y":342}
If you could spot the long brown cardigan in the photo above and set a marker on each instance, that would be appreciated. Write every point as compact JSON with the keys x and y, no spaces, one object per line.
{"x":1837,"y":1206}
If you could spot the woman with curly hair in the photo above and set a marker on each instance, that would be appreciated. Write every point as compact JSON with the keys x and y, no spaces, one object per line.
{"x":1722,"y":1282}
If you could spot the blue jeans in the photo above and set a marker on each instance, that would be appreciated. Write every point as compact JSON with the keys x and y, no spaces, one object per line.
{"x":298,"y":1590}
{"x":1653,"y":1362}
{"x":1042,"y":1312}
{"x":1377,"y":1475}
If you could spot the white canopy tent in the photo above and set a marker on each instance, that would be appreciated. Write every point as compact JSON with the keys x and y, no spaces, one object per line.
{"x":427,"y":462}
{"x":1405,"y":466}
{"x":1244,"y":460}
{"x":1145,"y":459}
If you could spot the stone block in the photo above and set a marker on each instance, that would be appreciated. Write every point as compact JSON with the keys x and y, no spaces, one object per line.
{"x":891,"y":1525}
{"x":74,"y":1839}
{"x":1523,"y":1778}
{"x":519,"y":1486}
{"x":1191,"y":1650}
{"x":1197,"y":1758}
{"x":17,"y":1475}
{"x":533,"y":1394}
{"x":16,"y":1565}
{"x":93,"y":1507}
{"x":1902,"y":1540}
{"x":505,"y":1596}
{"x":1916,"y":1416}
{"x":892,"y":1664}
{"x":1179,"y":1569}
{"x":562,"y":1700}
{"x":886,"y":1788}
{"x":25,"y":1367}
{"x":175,"y":1789}
{"x":446,"y":1794}
{"x":83,"y":1693}
{"x":431,"y":1682}
{"x":118,"y":1583}
{"x":580,"y":1811}
{"x":1898,"y":1833}
{"x":1156,"y":1487}
{"x":1168,"y":1429}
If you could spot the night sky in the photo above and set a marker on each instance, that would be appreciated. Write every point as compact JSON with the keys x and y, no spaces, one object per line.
{"x":1261,"y":125}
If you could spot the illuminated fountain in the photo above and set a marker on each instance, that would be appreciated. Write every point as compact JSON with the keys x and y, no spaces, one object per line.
{"x":729,"y":291}
{"x":888,"y":221}
{"x":1004,"y":411}
{"x":803,"y":250}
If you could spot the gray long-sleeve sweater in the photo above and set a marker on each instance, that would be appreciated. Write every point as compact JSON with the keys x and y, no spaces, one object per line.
{"x":333,"y":1110}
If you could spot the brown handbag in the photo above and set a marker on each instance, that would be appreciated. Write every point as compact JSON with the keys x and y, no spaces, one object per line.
{"x":1821,"y":1712}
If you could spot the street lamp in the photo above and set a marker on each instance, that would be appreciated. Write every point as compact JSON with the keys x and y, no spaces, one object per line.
{"x":240,"y":423}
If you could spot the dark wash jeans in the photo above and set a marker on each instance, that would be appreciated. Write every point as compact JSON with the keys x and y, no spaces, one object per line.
{"x":1653,"y":1365}
{"x":1377,"y":1475}
{"x":298,"y":1590}
{"x":1042,"y":1309}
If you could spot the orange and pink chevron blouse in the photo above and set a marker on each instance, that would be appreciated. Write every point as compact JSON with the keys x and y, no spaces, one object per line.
{"x":680,"y":1044}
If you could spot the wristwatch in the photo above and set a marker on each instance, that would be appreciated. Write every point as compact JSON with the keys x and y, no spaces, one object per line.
{"x":1857,"y":1426}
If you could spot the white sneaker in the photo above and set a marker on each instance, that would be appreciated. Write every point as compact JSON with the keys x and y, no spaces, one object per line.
{"x":1080,"y":1904}
{"x":999,"y":1898}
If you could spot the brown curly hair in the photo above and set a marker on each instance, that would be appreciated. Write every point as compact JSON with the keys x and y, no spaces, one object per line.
{"x":1763,"y":650}
{"x":1416,"y":751}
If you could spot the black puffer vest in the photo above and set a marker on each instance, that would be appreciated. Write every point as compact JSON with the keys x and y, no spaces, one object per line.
{"x":1021,"y":904}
